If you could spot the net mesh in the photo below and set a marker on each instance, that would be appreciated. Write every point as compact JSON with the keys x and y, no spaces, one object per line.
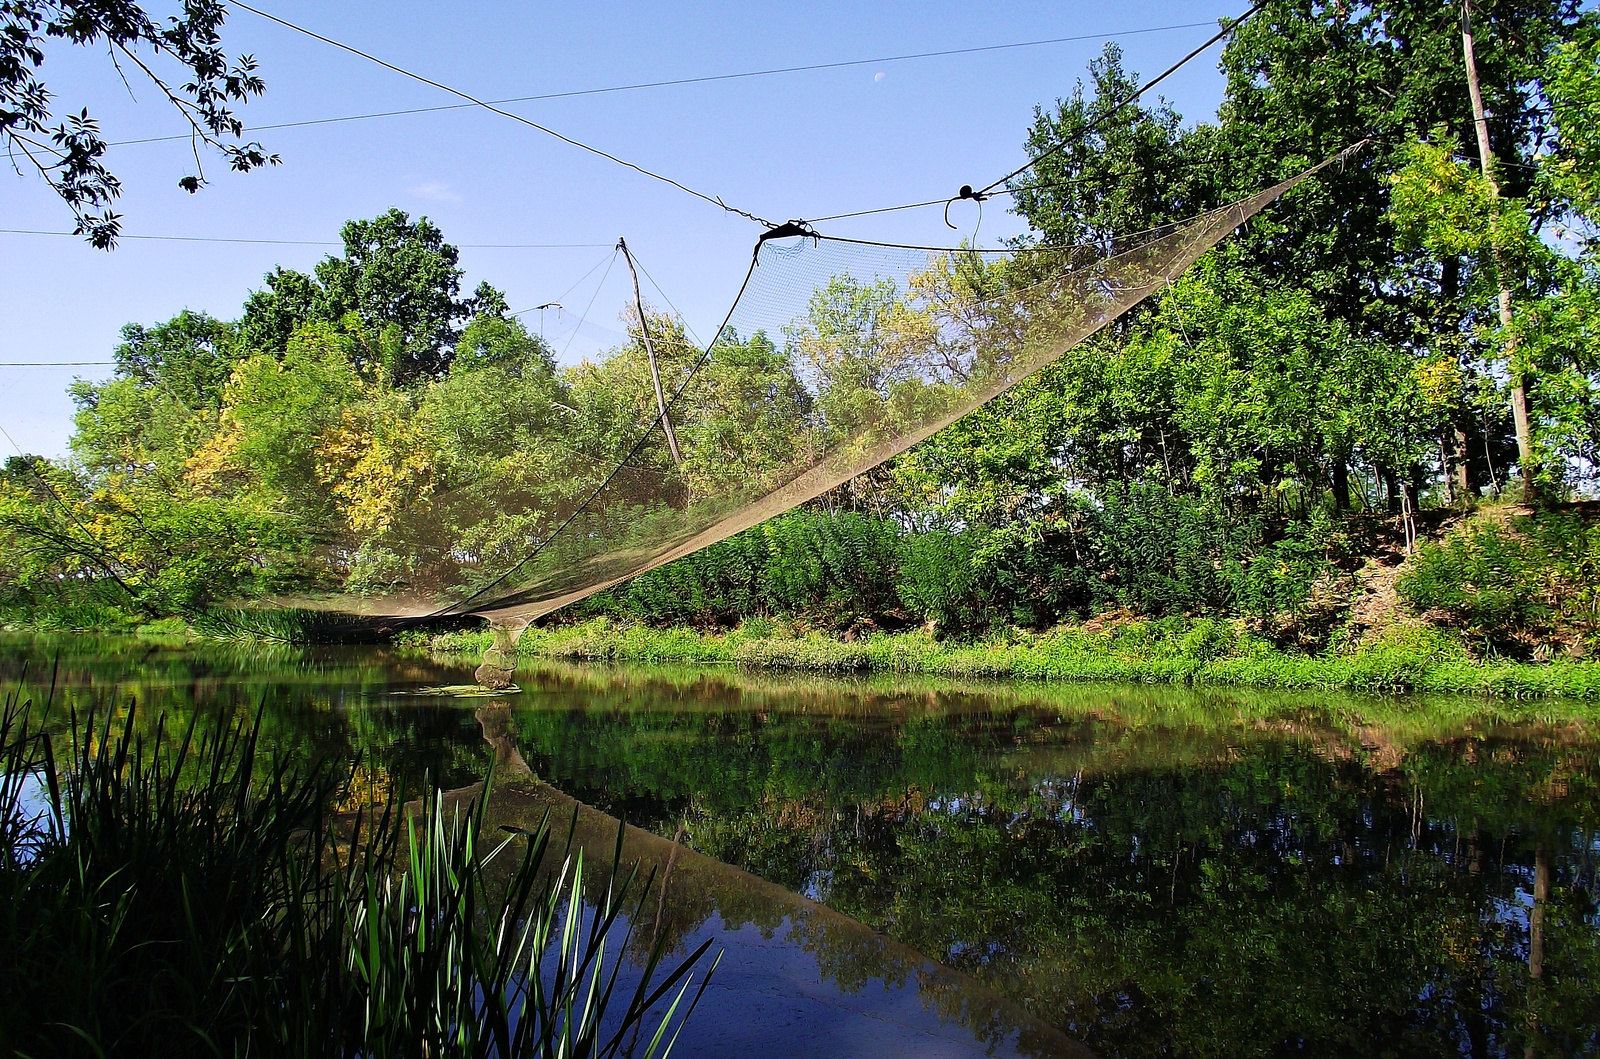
{"x":837,"y":356}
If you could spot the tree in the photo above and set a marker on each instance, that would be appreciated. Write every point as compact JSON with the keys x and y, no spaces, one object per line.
{"x":1306,"y":79}
{"x":869,"y":353}
{"x":1137,"y":169}
{"x":396,"y":273}
{"x":191,"y":356}
{"x":274,"y":414}
{"x":396,"y":276}
{"x":492,"y":339}
{"x":1573,"y":85}
{"x":70,"y":153}
{"x":1486,"y":164}
{"x":271,"y":315}
{"x":743,"y":416}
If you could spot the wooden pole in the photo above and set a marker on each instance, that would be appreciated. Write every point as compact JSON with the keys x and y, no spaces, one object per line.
{"x":650,"y":352}
{"x":1519,"y":391}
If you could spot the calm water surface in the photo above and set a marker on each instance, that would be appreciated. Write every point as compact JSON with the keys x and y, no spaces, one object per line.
{"x":915,"y":867}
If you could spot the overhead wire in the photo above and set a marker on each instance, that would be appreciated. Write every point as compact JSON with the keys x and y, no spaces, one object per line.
{"x":560,"y":297}
{"x":1046,"y":186}
{"x":967,"y":192}
{"x":1125,"y":101}
{"x":880,"y":209}
{"x":714,"y":200}
{"x":666,"y":299}
{"x":943,"y":201}
{"x":640,"y":441}
{"x":597,"y":287}
{"x":1053,"y":248}
{"x":494,"y":107}
{"x":308,"y":242}
{"x":676,"y":82}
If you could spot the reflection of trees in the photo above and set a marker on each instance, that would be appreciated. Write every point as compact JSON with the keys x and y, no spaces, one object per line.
{"x":691,"y":888}
{"x":333,"y":704}
{"x":1165,"y":871}
{"x":1202,"y":889}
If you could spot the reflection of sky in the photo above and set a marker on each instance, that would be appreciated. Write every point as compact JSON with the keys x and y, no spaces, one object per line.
{"x":33,"y":804}
{"x":770,"y":996}
{"x":765,"y":1001}
{"x":1509,"y":911}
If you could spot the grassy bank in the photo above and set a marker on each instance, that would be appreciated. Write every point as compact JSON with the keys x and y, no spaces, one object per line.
{"x":1171,"y":651}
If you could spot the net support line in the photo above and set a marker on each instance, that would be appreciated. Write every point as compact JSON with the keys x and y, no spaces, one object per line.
{"x":1192,"y":241}
{"x":462,"y":606}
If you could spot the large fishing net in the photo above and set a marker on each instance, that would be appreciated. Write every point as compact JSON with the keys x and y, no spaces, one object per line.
{"x":836,"y":356}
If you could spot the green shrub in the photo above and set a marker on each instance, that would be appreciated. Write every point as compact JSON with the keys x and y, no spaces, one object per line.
{"x":1511,"y":584}
{"x":840,"y":567}
{"x":1278,"y":579}
{"x":833,"y":568}
{"x":1169,"y":553}
{"x":936,"y":579}
{"x":1208,"y":639}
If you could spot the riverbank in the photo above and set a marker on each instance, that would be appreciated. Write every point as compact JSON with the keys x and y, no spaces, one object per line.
{"x":1200,"y":653}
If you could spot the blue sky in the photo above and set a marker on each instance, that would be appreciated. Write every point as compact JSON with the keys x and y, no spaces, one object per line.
{"x":791,"y":145}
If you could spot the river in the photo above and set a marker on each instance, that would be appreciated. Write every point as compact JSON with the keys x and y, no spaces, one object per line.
{"x":909,"y":866}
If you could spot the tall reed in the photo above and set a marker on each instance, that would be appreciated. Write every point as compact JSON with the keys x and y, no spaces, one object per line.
{"x":187,"y":895}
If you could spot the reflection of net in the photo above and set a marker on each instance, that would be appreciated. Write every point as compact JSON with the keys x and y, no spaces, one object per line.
{"x":837,"y":357}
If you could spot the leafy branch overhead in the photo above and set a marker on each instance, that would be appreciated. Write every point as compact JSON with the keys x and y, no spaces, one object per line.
{"x":68,"y":150}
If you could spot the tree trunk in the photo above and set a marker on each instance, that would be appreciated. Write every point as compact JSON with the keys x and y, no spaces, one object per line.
{"x":1461,"y":490}
{"x":1455,"y":440}
{"x":1341,"y":483}
{"x":1541,"y":899}
{"x":1519,"y":382}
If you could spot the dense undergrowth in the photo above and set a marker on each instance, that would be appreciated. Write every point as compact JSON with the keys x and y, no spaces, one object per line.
{"x":184,"y":896}
{"x":1501,"y":602}
{"x":1517,"y":584}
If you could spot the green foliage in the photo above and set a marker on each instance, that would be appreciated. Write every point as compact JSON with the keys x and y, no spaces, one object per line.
{"x":1513,"y":584}
{"x":841,"y":564}
{"x":1207,"y":652}
{"x":272,"y":315}
{"x":938,"y":580}
{"x":1135,"y":170}
{"x":1213,"y":454}
{"x":399,"y":279}
{"x":189,"y":357}
{"x":1573,"y":84}
{"x":834,"y":569}
{"x":1169,"y":553}
{"x":1208,"y":639}
{"x":396,"y":273}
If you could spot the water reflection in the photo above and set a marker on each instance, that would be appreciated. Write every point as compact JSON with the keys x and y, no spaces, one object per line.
{"x":1315,"y":883}
{"x":1151,"y":871}
{"x":495,"y":721}
{"x":796,"y":978}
